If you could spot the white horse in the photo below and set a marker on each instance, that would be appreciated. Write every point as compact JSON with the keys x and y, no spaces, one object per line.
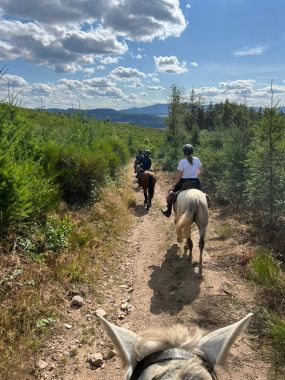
{"x":173,"y":353}
{"x":191,"y":206}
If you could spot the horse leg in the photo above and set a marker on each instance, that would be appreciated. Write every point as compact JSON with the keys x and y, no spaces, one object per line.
{"x":190,"y":246}
{"x":145,"y":197}
{"x":201,"y":248}
{"x":148,"y":200}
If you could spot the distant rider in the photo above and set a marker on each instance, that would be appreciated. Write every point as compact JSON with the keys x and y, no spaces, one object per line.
{"x":139,"y":157}
{"x":188,"y":170}
{"x":145,"y":162}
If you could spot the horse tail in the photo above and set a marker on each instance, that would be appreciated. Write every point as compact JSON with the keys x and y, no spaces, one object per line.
{"x":187,"y":218}
{"x":151,"y":185}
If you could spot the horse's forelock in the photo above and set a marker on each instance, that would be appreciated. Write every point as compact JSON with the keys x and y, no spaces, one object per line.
{"x":177,"y":336}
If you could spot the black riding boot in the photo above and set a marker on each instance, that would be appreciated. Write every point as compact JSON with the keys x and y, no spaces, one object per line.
{"x":167,"y":212}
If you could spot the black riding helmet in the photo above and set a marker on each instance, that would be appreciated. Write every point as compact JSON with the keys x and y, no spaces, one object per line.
{"x":187,"y":149}
{"x":147,"y":152}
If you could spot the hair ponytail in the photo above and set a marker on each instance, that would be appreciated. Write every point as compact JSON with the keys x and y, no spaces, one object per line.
{"x":190,"y":159}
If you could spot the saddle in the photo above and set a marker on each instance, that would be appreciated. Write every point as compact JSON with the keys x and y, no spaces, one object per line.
{"x":172,"y":195}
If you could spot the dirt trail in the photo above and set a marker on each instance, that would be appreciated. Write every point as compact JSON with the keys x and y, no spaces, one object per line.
{"x":162,"y":288}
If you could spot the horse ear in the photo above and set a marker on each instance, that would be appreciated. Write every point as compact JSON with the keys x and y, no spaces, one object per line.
{"x":123,"y":341}
{"x":216,"y":345}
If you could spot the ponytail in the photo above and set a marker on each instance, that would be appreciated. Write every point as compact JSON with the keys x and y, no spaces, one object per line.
{"x":190,"y":159}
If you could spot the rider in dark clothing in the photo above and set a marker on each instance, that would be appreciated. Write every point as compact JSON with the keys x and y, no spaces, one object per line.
{"x":138,"y":160}
{"x":145,"y":162}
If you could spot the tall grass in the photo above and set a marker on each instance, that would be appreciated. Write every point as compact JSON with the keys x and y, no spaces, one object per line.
{"x":264,"y":269}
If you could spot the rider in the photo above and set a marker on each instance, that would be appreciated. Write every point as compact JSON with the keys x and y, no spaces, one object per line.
{"x":188,"y":170}
{"x":139,"y":157}
{"x":145,"y":162}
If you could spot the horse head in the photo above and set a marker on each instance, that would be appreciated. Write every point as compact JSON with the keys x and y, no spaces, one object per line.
{"x":174,"y":352}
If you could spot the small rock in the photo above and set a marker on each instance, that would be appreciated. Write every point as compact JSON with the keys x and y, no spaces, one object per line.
{"x":51,"y":367}
{"x":111,"y":354}
{"x":123,"y":286}
{"x":68,"y":326}
{"x":42,"y":364}
{"x":77,"y":301}
{"x":101,"y":312}
{"x":96,"y":360}
{"x":125,"y":306}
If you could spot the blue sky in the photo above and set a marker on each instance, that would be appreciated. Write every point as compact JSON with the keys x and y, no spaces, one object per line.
{"x":124,"y":53}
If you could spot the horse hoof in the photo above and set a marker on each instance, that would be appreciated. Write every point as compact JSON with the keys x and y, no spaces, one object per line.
{"x":200,"y":275}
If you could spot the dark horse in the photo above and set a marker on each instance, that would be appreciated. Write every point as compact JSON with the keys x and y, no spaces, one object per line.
{"x":147,"y":181}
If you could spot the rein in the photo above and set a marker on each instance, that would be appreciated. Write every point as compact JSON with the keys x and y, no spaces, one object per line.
{"x":169,"y":354}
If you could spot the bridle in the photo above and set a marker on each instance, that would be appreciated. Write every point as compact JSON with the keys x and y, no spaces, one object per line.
{"x":170,"y":354}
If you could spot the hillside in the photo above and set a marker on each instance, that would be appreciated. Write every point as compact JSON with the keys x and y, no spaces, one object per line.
{"x":133,"y":118}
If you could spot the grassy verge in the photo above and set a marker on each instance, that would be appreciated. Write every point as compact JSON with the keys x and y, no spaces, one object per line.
{"x":33,"y":287}
{"x":266,"y":272}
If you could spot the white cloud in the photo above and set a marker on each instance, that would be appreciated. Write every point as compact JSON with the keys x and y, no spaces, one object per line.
{"x":250,"y":51}
{"x":126,"y":73}
{"x":275,"y":88}
{"x":169,"y":65}
{"x":135,"y":84}
{"x":240,"y":84}
{"x":41,"y":89}
{"x":89,"y":70}
{"x":109,"y":60}
{"x":155,"y":79}
{"x":100,"y":67}
{"x":207,"y":91}
{"x":194,"y":64}
{"x":188,"y":6}
{"x":13,"y":81}
{"x":155,"y":88}
{"x":98,"y":82}
{"x":64,"y":34}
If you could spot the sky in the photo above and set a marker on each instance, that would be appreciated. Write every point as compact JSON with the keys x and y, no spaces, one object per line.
{"x":128,"y":53}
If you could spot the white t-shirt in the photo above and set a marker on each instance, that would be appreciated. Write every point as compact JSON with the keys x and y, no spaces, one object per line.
{"x":189,"y":171}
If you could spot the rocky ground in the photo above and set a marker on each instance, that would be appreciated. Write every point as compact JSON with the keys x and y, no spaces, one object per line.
{"x":150,"y":282}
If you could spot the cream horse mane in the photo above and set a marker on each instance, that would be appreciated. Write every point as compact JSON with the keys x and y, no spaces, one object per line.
{"x":213,"y":348}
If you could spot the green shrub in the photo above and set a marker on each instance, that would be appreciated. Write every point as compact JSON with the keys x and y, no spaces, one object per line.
{"x":57,"y":232}
{"x":264,"y":269}
{"x":275,"y":330}
{"x":25,"y":194}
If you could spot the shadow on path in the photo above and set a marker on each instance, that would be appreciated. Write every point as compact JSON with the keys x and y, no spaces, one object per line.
{"x":174,"y":283}
{"x":139,"y":210}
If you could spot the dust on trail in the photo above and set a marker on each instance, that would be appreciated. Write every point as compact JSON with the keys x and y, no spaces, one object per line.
{"x":163,"y":288}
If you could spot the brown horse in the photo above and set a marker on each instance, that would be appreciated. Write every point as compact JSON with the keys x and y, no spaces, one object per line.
{"x":147,"y":181}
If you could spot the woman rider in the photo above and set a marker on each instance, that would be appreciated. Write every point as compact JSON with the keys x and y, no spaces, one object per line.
{"x":188,"y":170}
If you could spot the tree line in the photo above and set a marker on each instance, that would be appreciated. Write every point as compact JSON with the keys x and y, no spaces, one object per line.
{"x":242,"y":150}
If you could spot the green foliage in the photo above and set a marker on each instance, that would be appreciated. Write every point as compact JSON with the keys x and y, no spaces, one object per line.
{"x":264,"y":269}
{"x":275,"y":328}
{"x":225,"y":231}
{"x":57,"y":233}
{"x":25,"y":194}
{"x":265,"y":164}
{"x":43,"y":322}
{"x":242,"y":151}
{"x":45,"y":158}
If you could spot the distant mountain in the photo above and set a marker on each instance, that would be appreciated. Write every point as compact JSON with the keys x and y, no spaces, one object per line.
{"x":155,"y":109}
{"x":142,"y":119}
